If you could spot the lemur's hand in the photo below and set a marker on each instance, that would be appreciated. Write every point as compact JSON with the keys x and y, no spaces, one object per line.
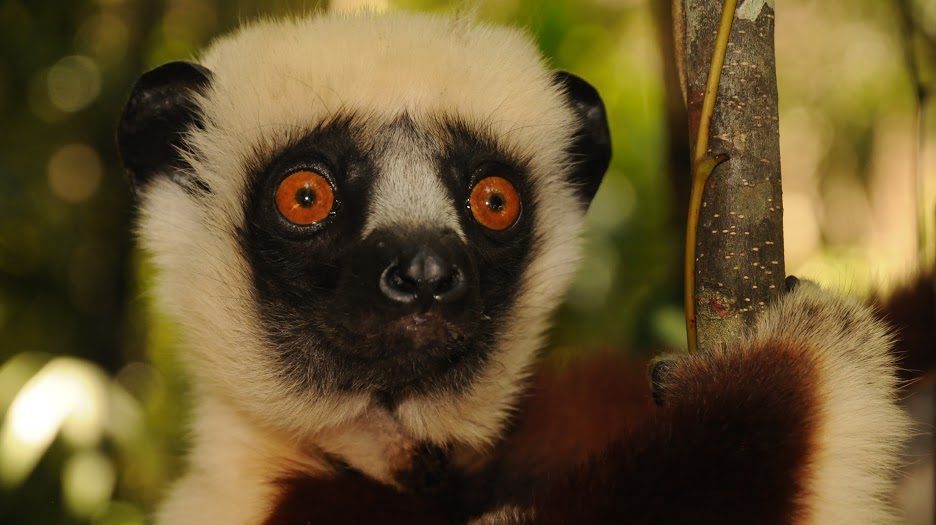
{"x":661,"y":367}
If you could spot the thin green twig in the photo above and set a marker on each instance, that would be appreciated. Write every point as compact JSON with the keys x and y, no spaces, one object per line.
{"x":702,"y":166}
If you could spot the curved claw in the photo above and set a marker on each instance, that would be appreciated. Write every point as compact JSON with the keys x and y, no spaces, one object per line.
{"x":658,"y":372}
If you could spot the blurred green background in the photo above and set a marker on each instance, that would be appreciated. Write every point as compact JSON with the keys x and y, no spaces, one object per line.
{"x":91,"y":402}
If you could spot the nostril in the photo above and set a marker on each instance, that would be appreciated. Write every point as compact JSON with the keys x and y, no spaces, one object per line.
{"x":424,"y":280}
{"x":402,"y":281}
{"x":397,"y":285}
{"x":450,"y":286}
{"x":446,"y":282}
{"x":425,"y":277}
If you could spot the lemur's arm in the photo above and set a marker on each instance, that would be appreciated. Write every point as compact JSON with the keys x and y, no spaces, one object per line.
{"x":796,"y":424}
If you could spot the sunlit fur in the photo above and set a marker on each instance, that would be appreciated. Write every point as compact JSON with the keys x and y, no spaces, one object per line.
{"x":271,"y":83}
{"x":860,"y":428}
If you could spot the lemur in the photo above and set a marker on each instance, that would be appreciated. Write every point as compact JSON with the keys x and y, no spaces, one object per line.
{"x":363,"y":224}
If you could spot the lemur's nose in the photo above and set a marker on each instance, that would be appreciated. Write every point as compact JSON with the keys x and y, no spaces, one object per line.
{"x":423,"y":276}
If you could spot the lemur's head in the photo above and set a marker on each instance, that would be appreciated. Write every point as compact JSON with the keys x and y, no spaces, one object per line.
{"x":368,"y":211}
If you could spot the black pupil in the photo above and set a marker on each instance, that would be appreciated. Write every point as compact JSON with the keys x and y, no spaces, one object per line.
{"x":305,"y":196}
{"x":496,"y":202}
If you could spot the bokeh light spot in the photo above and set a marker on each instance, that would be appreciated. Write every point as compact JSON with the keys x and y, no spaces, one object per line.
{"x":73,"y":83}
{"x":39,"y":411}
{"x":15,"y":372}
{"x":88,"y":480}
{"x":104,"y":36}
{"x":74,"y":173}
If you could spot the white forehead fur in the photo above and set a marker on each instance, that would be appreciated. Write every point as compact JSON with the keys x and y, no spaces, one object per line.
{"x":408,"y":192}
{"x":273,"y":82}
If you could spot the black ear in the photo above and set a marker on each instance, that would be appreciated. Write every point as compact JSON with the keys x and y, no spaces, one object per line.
{"x":591,"y":148}
{"x":161,"y":108}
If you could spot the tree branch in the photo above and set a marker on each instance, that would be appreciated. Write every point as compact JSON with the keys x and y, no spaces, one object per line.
{"x":738,"y":250}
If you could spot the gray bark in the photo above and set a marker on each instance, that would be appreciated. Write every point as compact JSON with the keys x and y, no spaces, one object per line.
{"x":739,"y":257}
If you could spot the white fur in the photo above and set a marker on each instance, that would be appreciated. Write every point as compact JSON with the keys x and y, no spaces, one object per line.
{"x":408,"y":193}
{"x":272,"y":82}
{"x":861,"y":429}
{"x":232,"y":467}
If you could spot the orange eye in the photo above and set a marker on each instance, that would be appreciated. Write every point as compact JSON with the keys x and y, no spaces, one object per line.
{"x":304,"y":198}
{"x":495,"y":203}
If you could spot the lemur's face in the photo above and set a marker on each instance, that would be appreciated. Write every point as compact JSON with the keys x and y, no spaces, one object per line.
{"x":387,"y":253}
{"x":374,"y":211}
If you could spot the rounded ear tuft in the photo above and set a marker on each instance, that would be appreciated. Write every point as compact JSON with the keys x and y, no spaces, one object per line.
{"x":591,"y":145}
{"x":160,"y":110}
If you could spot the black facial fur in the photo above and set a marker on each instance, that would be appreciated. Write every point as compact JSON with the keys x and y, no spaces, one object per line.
{"x":318,"y":287}
{"x":160,"y":110}
{"x":591,"y":148}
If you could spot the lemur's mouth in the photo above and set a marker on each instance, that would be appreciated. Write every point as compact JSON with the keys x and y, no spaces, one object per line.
{"x":412,"y":354}
{"x":415,"y":336}
{"x":426,"y":328}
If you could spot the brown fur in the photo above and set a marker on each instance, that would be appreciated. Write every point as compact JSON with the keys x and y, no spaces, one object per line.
{"x":911,"y":310}
{"x":731,"y":442}
{"x":576,"y":409}
{"x":592,"y":448}
{"x":350,"y":499}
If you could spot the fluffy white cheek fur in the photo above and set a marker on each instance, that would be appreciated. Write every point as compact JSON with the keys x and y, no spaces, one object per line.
{"x":204,"y":283}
